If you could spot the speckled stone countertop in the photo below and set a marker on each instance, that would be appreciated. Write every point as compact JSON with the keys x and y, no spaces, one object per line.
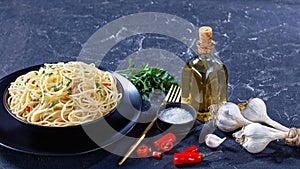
{"x":259,"y":41}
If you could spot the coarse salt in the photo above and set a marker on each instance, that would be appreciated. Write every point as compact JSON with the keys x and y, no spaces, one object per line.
{"x":176,"y":115}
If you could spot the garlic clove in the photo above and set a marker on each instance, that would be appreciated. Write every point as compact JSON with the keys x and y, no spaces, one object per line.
{"x":255,"y":137}
{"x":256,"y":111}
{"x":252,"y":138}
{"x":229,"y":117}
{"x":213,"y":141}
{"x":226,"y":125}
{"x":256,"y":146}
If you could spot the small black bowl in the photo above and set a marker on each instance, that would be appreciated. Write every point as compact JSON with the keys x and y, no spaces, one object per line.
{"x":176,"y":128}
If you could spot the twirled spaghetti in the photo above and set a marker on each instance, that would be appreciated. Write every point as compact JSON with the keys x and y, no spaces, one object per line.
{"x":63,"y":94}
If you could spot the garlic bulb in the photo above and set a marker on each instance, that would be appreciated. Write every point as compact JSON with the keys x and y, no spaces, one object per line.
{"x":256,"y":111}
{"x":228,"y":117}
{"x":255,"y":137}
{"x":213,"y":141}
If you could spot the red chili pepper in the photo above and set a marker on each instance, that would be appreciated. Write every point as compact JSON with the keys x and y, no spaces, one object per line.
{"x":187,"y":158}
{"x":27,"y":80}
{"x":27,"y":108}
{"x":61,"y":120}
{"x":167,"y":146}
{"x":142,"y":151}
{"x":106,"y":84}
{"x":190,"y":157}
{"x":168,"y":138}
{"x":192,"y":148}
{"x":156,"y":154}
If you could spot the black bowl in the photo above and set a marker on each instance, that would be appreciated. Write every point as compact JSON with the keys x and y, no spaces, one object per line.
{"x":72,"y":140}
{"x":176,"y":128}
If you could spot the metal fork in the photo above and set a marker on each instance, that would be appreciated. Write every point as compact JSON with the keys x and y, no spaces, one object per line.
{"x":173,"y":95}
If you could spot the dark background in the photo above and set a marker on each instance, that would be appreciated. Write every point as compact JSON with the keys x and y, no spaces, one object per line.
{"x":259,"y":41}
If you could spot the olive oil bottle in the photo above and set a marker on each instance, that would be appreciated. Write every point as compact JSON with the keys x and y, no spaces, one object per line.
{"x":204,"y":77}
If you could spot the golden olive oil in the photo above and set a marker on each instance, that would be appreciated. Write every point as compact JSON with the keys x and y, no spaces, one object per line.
{"x":204,"y":79}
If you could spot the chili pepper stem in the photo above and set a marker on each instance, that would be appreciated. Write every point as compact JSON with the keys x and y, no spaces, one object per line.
{"x":211,"y":153}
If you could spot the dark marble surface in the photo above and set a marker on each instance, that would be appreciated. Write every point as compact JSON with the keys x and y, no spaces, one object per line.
{"x":259,"y":41}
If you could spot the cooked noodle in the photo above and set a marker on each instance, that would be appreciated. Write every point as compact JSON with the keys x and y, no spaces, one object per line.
{"x":63,"y":94}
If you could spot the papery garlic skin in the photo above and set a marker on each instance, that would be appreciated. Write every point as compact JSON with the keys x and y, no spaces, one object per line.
{"x":256,"y":111}
{"x":213,"y":141}
{"x":255,"y":137}
{"x":229,"y":117}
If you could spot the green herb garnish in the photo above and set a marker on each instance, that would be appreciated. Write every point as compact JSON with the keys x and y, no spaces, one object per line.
{"x":97,"y":85}
{"x":69,"y":80}
{"x":52,"y":104}
{"x":55,"y":88}
{"x":100,"y":91}
{"x":60,"y":83}
{"x":146,"y":79}
{"x":69,"y":91}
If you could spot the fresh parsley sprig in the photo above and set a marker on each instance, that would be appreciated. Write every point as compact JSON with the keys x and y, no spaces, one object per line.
{"x":146,"y":79}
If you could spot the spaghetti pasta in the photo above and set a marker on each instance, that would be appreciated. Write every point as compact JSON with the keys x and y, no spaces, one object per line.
{"x":63,"y":94}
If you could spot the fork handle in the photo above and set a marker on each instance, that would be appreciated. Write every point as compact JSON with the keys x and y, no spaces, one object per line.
{"x":138,"y":141}
{"x":149,"y":126}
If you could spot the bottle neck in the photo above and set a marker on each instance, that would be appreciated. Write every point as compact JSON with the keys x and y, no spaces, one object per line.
{"x":208,"y":52}
{"x":205,"y":48}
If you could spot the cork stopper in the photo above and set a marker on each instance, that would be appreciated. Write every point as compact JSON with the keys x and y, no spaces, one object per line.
{"x":205,"y":44}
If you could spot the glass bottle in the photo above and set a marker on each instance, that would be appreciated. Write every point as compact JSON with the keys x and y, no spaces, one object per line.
{"x":204,"y":77}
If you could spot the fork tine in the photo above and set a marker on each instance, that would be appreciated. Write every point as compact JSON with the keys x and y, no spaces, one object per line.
{"x":170,"y":99}
{"x":175,"y":94}
{"x":169,"y":93}
{"x":178,"y":95}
